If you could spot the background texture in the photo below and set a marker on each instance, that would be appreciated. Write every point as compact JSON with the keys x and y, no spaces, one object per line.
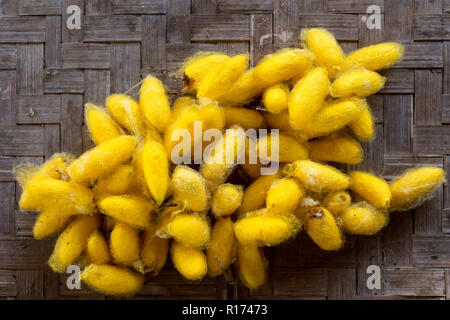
{"x":47,"y":73}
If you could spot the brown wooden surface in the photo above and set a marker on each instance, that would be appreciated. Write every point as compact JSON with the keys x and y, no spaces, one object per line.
{"x":47,"y":72}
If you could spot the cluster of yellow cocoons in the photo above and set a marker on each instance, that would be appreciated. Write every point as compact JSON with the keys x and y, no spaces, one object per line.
{"x":123,"y":207}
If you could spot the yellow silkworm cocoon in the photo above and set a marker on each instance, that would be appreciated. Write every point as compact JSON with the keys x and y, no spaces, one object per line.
{"x":363,"y":219}
{"x":253,"y":171}
{"x":337,"y":202}
{"x":120,"y":181}
{"x":97,"y":249}
{"x":307,"y":97}
{"x":357,"y":82}
{"x":252,"y":266}
{"x":326,"y":49}
{"x":49,"y":223}
{"x":72,"y":242}
{"x":154,"y":103}
{"x":216,"y":83}
{"x":263,"y":228}
{"x":371,"y":188}
{"x":318,"y":177}
{"x":126,"y":112}
{"x":100,"y":124}
{"x":112,"y":280}
{"x":220,"y":163}
{"x":56,"y":166}
{"x":211,"y":117}
{"x":284,"y":195}
{"x":415,"y":186}
{"x":222,"y":249}
{"x":165,"y":217}
{"x":190,"y":187}
{"x":181,"y":104}
{"x":244,"y":89}
{"x":154,"y":252}
{"x":48,"y":193}
{"x":338,"y":147}
{"x":289,"y":149}
{"x":308,"y":202}
{"x":281,"y":121}
{"x":124,"y":243}
{"x":282,"y":65}
{"x":363,"y":127}
{"x":196,"y":67}
{"x":226,"y":199}
{"x":132,"y":210}
{"x":244,"y":117}
{"x":333,"y":116}
{"x":256,"y":193}
{"x":190,"y":230}
{"x":375,"y":57}
{"x":190,"y":262}
{"x":156,"y":169}
{"x":323,"y":229}
{"x":276,"y":97}
{"x":102,"y":160}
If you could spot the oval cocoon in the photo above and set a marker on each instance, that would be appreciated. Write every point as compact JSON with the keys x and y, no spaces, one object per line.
{"x":321,"y":226}
{"x":226,"y":199}
{"x":124,"y":243}
{"x":289,"y":149}
{"x":222,"y":250}
{"x":307,"y":97}
{"x":375,"y":57}
{"x":252,"y":266}
{"x":50,"y":222}
{"x":339,"y":147}
{"x":326,"y":49}
{"x":363,"y":127}
{"x":47,"y":193}
{"x":336,"y":202}
{"x":284,"y":195}
{"x":72,"y":242}
{"x":132,"y":210}
{"x":154,"y":103}
{"x":275,"y":98}
{"x":126,"y":112}
{"x":97,"y":249}
{"x":259,"y":229}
